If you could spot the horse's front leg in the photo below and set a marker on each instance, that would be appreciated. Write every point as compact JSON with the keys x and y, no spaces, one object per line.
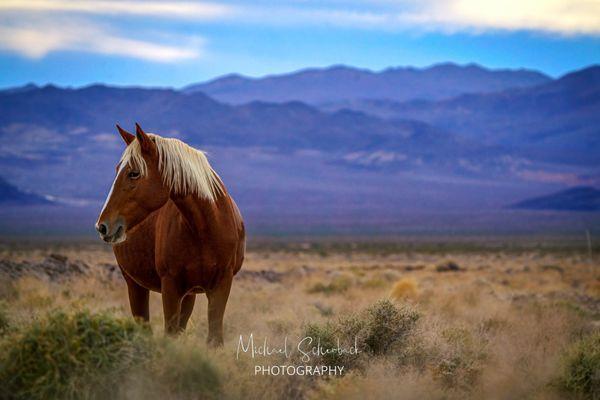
{"x":171,"y":299}
{"x":138,"y":299}
{"x":217,"y":300}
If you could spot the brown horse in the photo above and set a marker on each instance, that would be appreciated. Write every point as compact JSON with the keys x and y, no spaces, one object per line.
{"x":174,"y":229}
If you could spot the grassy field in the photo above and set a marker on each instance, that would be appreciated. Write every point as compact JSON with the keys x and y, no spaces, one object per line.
{"x":445,"y":319}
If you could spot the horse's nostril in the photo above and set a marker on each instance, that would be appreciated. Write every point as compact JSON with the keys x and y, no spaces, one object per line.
{"x":102,"y":228}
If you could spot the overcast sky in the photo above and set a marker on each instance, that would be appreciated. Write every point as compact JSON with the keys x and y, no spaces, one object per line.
{"x":174,"y":43}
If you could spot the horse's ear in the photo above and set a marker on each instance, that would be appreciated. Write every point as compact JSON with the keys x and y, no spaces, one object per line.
{"x":127,"y":137}
{"x":143,"y":138}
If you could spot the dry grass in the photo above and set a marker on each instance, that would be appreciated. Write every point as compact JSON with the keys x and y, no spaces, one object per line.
{"x":506,"y":325}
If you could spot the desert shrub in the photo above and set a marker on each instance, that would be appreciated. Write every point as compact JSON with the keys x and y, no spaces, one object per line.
{"x":581,"y":371}
{"x":387,"y":325}
{"x":460,"y":362}
{"x":178,"y":370}
{"x":8,"y":291}
{"x":571,"y":307}
{"x":324,"y":309}
{"x":378,"y":330}
{"x":34,"y":293}
{"x":449,"y":266}
{"x":374,"y":283}
{"x":593,"y":288}
{"x":4,"y":320}
{"x":491,"y":326}
{"x":327,"y":336}
{"x":552,"y":267}
{"x":457,"y":371}
{"x":405,"y":288}
{"x":338,"y":285}
{"x":69,"y":356}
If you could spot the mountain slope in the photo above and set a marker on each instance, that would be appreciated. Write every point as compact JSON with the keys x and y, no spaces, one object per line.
{"x":67,"y":135}
{"x":337,"y":83}
{"x":11,"y":195}
{"x":296,"y":160}
{"x":204,"y":121}
{"x":584,"y":198}
{"x":558,"y":121}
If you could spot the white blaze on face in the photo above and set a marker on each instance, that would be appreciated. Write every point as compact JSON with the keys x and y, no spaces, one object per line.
{"x":121,"y":168}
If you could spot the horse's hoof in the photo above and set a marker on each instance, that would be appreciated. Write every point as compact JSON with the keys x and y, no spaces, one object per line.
{"x":215,"y":343}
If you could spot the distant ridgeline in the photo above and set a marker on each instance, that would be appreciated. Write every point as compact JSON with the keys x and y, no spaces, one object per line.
{"x":582,"y":198}
{"x":12,"y":195}
{"x":324,"y":148}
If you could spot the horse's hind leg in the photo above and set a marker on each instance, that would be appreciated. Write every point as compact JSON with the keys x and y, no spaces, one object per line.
{"x":217,"y":300}
{"x":187,"y":306}
{"x":138,"y":299}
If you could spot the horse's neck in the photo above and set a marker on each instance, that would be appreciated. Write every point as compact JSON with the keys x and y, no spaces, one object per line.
{"x":198,"y":212}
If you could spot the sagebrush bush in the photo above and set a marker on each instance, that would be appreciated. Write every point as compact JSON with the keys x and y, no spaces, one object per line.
{"x":581,"y":371}
{"x":457,"y":371}
{"x":70,"y":356}
{"x":387,"y":325}
{"x":185,"y":370}
{"x":459,"y":364}
{"x":374,"y":283}
{"x":378,"y":330}
{"x":327,"y":336}
{"x":8,"y":291}
{"x":4,"y":320}
{"x":338,"y":285}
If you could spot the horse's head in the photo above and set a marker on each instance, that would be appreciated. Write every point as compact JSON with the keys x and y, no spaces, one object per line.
{"x":137,"y":190}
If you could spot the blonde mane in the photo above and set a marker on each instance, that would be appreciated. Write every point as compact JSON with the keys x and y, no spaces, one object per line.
{"x":184,"y":170}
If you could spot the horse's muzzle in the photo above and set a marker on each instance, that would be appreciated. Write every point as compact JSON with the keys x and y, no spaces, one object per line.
{"x":112,"y":233}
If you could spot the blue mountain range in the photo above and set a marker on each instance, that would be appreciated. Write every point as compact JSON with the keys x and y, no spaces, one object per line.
{"x":333,"y":144}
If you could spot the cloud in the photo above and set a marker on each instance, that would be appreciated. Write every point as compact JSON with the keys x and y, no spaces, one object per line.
{"x":566,"y":178}
{"x":37,"y":38}
{"x":559,"y":16}
{"x":163,"y":9}
{"x":565,"y":17}
{"x":36,"y":28}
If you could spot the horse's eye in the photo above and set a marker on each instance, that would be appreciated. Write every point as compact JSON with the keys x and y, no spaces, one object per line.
{"x":133,"y":175}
